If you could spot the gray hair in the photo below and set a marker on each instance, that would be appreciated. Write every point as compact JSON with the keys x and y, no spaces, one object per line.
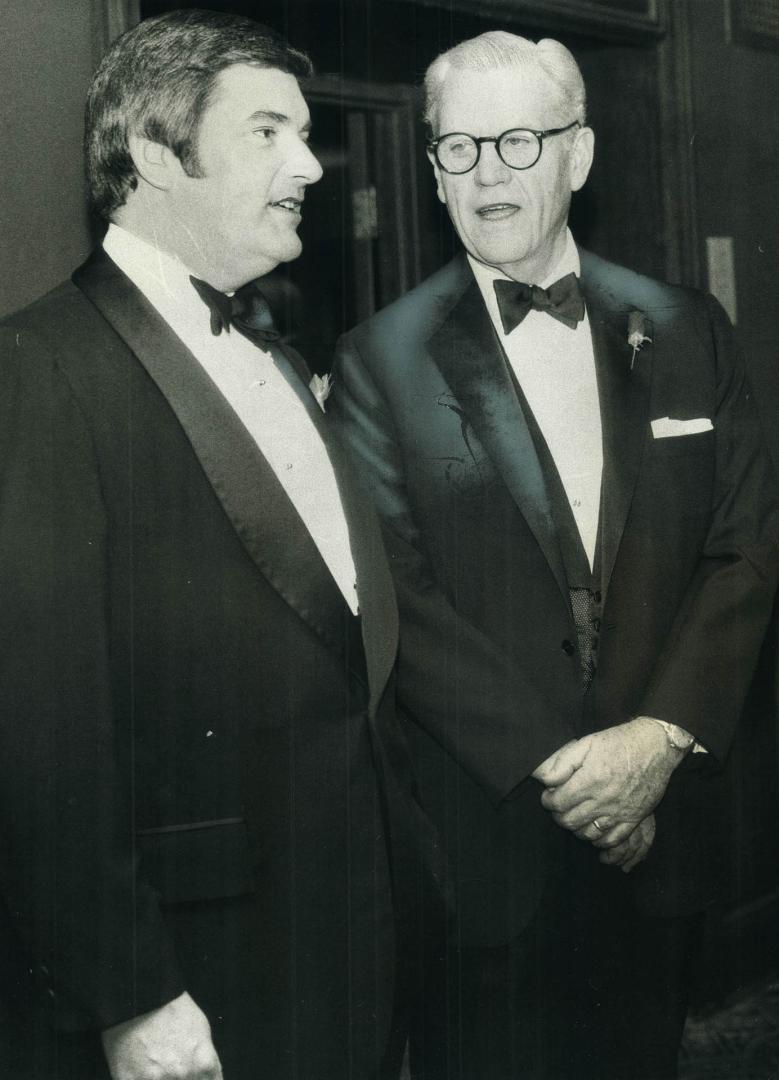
{"x":498,"y":49}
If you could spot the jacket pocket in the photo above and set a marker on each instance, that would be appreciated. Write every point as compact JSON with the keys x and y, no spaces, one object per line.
{"x":701,"y":442}
{"x":205,"y":860}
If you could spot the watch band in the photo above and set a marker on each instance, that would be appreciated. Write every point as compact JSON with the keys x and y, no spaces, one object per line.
{"x":676,"y":736}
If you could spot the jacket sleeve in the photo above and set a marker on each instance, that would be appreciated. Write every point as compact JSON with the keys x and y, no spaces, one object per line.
{"x":706,"y":666}
{"x":90,"y":930}
{"x":464,"y":691}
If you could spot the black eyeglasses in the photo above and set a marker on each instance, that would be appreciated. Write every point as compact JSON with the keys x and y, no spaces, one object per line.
{"x":519,"y":148}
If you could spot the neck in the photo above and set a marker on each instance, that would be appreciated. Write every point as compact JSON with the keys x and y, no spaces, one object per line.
{"x":145,"y":218}
{"x":537,"y":266}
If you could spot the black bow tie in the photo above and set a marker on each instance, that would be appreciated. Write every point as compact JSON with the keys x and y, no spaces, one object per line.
{"x":562,"y":300}
{"x":247,"y":310}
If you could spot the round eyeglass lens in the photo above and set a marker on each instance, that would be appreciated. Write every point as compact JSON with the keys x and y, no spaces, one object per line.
{"x":457,"y":153}
{"x":519,"y":148}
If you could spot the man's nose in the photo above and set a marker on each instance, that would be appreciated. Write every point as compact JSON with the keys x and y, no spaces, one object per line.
{"x":306,"y":166}
{"x":490,"y":169}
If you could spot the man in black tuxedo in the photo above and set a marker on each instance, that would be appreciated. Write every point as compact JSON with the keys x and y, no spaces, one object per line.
{"x":201,"y":766}
{"x":582,"y":531}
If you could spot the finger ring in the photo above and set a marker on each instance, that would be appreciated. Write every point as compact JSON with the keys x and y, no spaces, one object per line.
{"x":597,"y":826}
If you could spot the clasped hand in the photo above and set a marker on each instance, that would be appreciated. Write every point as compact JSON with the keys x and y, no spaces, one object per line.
{"x":170,"y":1043}
{"x":605,"y":786}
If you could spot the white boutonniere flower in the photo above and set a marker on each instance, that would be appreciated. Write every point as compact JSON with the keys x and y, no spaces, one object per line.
{"x":320,"y":386}
{"x":637,"y":335}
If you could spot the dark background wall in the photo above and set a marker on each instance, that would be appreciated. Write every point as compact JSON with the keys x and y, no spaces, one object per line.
{"x":735,"y":89}
{"x":46,"y":62}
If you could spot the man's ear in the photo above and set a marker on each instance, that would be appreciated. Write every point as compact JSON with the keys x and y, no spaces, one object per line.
{"x":155,"y":163}
{"x":439,"y":187}
{"x":582,"y":153}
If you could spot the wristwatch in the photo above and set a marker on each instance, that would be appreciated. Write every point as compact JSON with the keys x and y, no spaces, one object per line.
{"x":677,"y":737}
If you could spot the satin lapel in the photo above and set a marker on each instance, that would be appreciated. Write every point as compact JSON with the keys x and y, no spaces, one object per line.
{"x":471,"y":360}
{"x":624,"y":402}
{"x":379,"y":617}
{"x":246,"y":486}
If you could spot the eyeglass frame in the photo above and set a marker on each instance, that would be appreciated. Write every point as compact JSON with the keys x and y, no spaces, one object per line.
{"x":432,"y":146}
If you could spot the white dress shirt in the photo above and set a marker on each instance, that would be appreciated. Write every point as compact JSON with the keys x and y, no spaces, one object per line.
{"x":555,"y":366}
{"x":257,"y":391}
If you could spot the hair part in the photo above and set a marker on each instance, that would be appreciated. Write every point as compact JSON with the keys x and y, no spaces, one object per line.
{"x":498,"y":49}
{"x":156,"y":81}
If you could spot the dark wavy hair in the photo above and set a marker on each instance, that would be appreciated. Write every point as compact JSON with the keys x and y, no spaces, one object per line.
{"x":156,"y":81}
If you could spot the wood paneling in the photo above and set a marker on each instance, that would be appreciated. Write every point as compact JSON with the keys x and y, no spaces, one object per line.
{"x":755,"y":22}
{"x":635,"y":18}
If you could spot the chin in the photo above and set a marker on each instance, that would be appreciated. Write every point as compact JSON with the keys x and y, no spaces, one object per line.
{"x":501,"y":254}
{"x":509,"y":258}
{"x":291,"y":253}
{"x":500,"y":258}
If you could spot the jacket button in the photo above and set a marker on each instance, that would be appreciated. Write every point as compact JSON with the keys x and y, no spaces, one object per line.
{"x":568,"y":647}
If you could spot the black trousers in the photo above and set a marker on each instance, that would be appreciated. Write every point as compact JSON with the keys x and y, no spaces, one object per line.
{"x":590,"y":990}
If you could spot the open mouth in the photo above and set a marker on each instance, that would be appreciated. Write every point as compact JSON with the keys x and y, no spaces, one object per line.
{"x":291,"y":205}
{"x":497,"y":211}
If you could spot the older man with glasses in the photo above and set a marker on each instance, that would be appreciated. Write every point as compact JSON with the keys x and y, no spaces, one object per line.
{"x":580,"y":518}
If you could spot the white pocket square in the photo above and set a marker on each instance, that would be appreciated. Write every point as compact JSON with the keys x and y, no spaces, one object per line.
{"x":665,"y":427}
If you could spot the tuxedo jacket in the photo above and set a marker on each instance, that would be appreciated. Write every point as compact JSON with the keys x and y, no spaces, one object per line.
{"x":489,"y":665}
{"x":200,"y":763}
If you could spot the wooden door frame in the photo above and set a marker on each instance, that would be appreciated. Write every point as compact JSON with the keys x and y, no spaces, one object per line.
{"x":677,"y":127}
{"x":110,"y":18}
{"x":572,"y":16}
{"x":399,"y":105}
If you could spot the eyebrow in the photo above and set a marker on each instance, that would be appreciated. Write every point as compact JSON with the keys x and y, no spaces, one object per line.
{"x":276,"y":117}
